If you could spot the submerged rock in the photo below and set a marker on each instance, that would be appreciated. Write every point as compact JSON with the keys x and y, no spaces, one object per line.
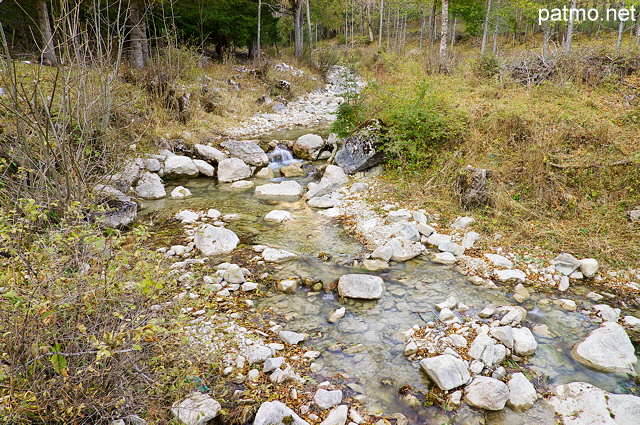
{"x":607,"y":349}
{"x":284,"y":191}
{"x":360,"y":286}
{"x":361,"y":149}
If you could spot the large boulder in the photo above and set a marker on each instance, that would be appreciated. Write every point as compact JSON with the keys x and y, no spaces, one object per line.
{"x":233,"y":169}
{"x":524,"y":343}
{"x":277,"y":413}
{"x":210,"y":153}
{"x":579,"y":403}
{"x":197,"y":409}
{"x":119,"y":210}
{"x":333,"y":179}
{"x":361,"y":149}
{"x":177,"y":167}
{"x":404,"y":249}
{"x":212,"y":241}
{"x":446,"y":371}
{"x":522,"y":393}
{"x":283,"y":191}
{"x":607,"y":349}
{"x":361,"y":286}
{"x":487,"y":393}
{"x":150,"y":186}
{"x":246,"y":150}
{"x":308,"y":146}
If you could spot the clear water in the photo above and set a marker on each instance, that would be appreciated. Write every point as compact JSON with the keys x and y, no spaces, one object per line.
{"x":412,"y":289}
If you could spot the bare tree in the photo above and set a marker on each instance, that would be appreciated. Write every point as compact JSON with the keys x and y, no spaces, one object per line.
{"x":620,"y":30}
{"x":445,"y":29}
{"x":136,"y":36}
{"x":485,"y":28}
{"x":381,"y":20}
{"x":567,"y":43}
{"x":48,"y":49}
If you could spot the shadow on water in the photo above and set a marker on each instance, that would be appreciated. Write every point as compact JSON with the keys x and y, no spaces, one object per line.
{"x":412,"y":289}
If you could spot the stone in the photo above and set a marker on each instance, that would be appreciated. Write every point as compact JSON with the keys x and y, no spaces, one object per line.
{"x":564,"y":283}
{"x":485,"y":349}
{"x":446,"y":371}
{"x":327,"y":399}
{"x":288,"y":286}
{"x":522,"y":393}
{"x":265,"y":173}
{"x":361,"y":150}
{"x":463,"y":222}
{"x":278,"y":216}
{"x":233,"y":274}
{"x":524,"y":343}
{"x":213,"y":214}
{"x":277,"y":413}
{"x":337,"y":416}
{"x":446,"y":315}
{"x":196,"y":409}
{"x":308,"y":146}
{"x":249,"y":286}
{"x":565,"y":263}
{"x":579,"y":403}
{"x":337,"y":315}
{"x":120,"y":211}
{"x":291,"y":338}
{"x":446,"y":258}
{"x":177,"y":167}
{"x":521,"y":293}
{"x":150,"y":186}
{"x":409,"y":232}
{"x":569,"y":305}
{"x":513,"y":316}
{"x":375,"y":265}
{"x":358,"y":187}
{"x":607,"y":349}
{"x":180,"y":193}
{"x":487,"y":393}
{"x":257,"y":353}
{"x":153,"y":165}
{"x":436,"y":239}
{"x":355,"y":416}
{"x":451,"y":247}
{"x":404,"y":249}
{"x":360,"y":286}
{"x":588,"y":267}
{"x":513,"y":275}
{"x":499,"y":260}
{"x":246,"y":150}
{"x":233,"y":169}
{"x":383,"y":253}
{"x":272,"y":364}
{"x":486,"y":313}
{"x":210,"y":153}
{"x":634,"y":215}
{"x":272,"y":255}
{"x":504,"y":334}
{"x":283,"y":191}
{"x":204,"y":168}
{"x":333,"y":179}
{"x":449,"y":303}
{"x":293,"y":170}
{"x":607,"y":313}
{"x":631,"y":322}
{"x":213,"y":241}
{"x":469,"y":239}
{"x":323,"y":202}
{"x":398,"y":216}
{"x":425,"y":229}
{"x":187,"y":216}
{"x":241,"y":185}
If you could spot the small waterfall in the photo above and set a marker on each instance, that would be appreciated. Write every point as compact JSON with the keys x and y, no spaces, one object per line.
{"x":280,"y":157}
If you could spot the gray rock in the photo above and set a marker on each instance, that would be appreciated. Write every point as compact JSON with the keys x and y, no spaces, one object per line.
{"x":436,"y":239}
{"x":180,"y":192}
{"x":323,"y":202}
{"x":288,"y":286}
{"x":210,"y":153}
{"x":522,"y":393}
{"x":607,"y":349}
{"x":293,"y":170}
{"x":272,"y":255}
{"x":337,"y":416}
{"x":333,"y":179}
{"x":451,"y":247}
{"x":358,"y":187}
{"x":361,"y":150}
{"x":153,"y":165}
{"x":213,"y":241}
{"x":265,"y":173}
{"x":404,"y":249}
{"x":499,"y":261}
{"x":120,"y":210}
{"x":485,"y":349}
{"x":337,"y":315}
{"x":487,"y":393}
{"x":234,"y":274}
{"x":634,"y":215}
{"x":409,"y":232}
{"x":564,"y":283}
{"x":446,"y":371}
{"x":197,"y":409}
{"x":277,"y":413}
{"x":446,"y":258}
{"x":233,"y":169}
{"x":397,"y":216}
{"x":425,"y":229}
{"x":504,"y":334}
{"x":469,"y":239}
{"x":383,"y":253}
{"x":257,"y":353}
{"x":589,"y":267}
{"x":524,"y":343}
{"x":463,"y":222}
{"x":272,"y":364}
{"x":292,"y":338}
{"x":514,"y":275}
{"x":579,"y":403}
{"x":360,"y":286}
{"x":204,"y":168}
{"x":278,"y":216}
{"x":375,"y":265}
{"x":150,"y":186}
{"x":247,"y":151}
{"x":177,"y":167}
{"x":241,"y":185}
{"x":283,"y":191}
{"x":308,"y":146}
{"x":565,"y":263}
{"x":327,"y":399}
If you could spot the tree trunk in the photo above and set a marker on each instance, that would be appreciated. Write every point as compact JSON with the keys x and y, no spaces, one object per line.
{"x":297,"y":26}
{"x":620,"y":31}
{"x":545,"y":40}
{"x":422,"y":25}
{"x":259,"y":42}
{"x":381,"y":20}
{"x":567,"y":42}
{"x":310,"y":33}
{"x":445,"y":29}
{"x":432,"y":25}
{"x":485,"y":28}
{"x":136,"y":52}
{"x":48,"y":50}
{"x":453,"y":32}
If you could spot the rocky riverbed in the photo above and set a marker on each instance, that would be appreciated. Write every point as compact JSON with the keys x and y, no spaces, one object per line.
{"x":335,"y":309}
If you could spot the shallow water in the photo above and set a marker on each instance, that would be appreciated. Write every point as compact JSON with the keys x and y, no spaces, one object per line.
{"x":412,"y":289}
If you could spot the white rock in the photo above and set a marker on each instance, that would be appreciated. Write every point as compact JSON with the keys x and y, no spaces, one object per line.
{"x":397,"y":216}
{"x":607,"y":349}
{"x":487,"y":393}
{"x":469,"y":239}
{"x":499,"y":261}
{"x":204,"y":168}
{"x":446,"y":258}
{"x":425,"y":229}
{"x":150,"y":186}
{"x":276,"y":413}
{"x":323,"y":202}
{"x":180,"y":193}
{"x":404,"y":249}
{"x":514,"y":275}
{"x":288,"y":286}
{"x":241,"y":185}
{"x":522,"y":393}
{"x":178,"y":166}
{"x":589,"y":267}
{"x":524,"y":343}
{"x":213,"y":241}
{"x":333,"y":179}
{"x":337,"y":416}
{"x":337,"y":315}
{"x":327,"y":399}
{"x":210,"y":153}
{"x":257,"y":353}
{"x":278,"y":216}
{"x":233,"y":169}
{"x":565,"y":263}
{"x":308,"y":146}
{"x":463,"y":222}
{"x":446,"y":371}
{"x":382,"y":253}
{"x":631,"y":322}
{"x":292,"y":338}
{"x":246,"y":150}
{"x":214,"y":214}
{"x":284,"y":191}
{"x":451,"y":247}
{"x":197,"y":409}
{"x":187,"y":216}
{"x":272,"y":255}
{"x":360,"y":286}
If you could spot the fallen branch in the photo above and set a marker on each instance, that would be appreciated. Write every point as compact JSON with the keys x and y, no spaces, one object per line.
{"x":596,"y":165}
